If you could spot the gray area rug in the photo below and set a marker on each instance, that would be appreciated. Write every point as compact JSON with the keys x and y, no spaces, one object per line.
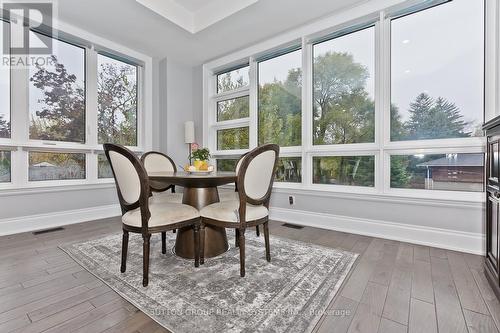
{"x":290,"y":294}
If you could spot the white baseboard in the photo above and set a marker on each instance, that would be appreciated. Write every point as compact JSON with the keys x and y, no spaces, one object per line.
{"x":46,"y":221}
{"x":435,"y":237}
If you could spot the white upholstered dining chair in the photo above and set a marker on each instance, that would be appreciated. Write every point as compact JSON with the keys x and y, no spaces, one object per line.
{"x":228,"y":195}
{"x":155,"y":161}
{"x":255,"y":178}
{"x":140,"y":214}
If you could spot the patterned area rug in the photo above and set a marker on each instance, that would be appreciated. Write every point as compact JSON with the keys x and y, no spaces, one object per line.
{"x":290,"y":294}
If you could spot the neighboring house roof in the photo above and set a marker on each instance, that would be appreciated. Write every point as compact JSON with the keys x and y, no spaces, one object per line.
{"x":43,"y":164}
{"x":461,"y":160}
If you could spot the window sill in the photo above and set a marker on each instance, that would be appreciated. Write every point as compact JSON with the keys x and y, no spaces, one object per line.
{"x":419,"y":197}
{"x":8,"y":190}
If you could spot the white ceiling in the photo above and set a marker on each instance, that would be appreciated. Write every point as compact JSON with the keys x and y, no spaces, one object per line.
{"x":195,"y":15}
{"x":129,"y":23}
{"x":194,"y":5}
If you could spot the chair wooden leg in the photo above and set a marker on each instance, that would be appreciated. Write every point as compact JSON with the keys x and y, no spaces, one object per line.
{"x":257,"y":231}
{"x":145,"y":260}
{"x":266,"y":238}
{"x":196,"y":233}
{"x":236,"y":238}
{"x":164,"y":242}
{"x":202,"y":243}
{"x":242,"y":252}
{"x":123,"y":267}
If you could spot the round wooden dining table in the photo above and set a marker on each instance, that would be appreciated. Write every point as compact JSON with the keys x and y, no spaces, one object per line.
{"x":199,"y":191}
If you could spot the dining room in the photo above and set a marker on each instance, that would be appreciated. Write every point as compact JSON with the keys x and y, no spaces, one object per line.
{"x":250,"y":166}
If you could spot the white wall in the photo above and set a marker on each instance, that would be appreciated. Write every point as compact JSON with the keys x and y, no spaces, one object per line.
{"x":452,"y":225}
{"x":198,"y":101}
{"x":178,"y":100}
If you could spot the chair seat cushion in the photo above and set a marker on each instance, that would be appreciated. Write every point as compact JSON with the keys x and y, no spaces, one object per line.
{"x":166,"y":197}
{"x":161,"y":215}
{"x":228,"y":211}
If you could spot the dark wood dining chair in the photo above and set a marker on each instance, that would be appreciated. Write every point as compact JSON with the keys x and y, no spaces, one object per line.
{"x":139,"y":213}
{"x":255,"y":181}
{"x":155,"y":161}
{"x":228,"y":196}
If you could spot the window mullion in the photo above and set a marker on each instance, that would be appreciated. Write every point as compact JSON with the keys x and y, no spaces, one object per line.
{"x":19,"y":124}
{"x":240,"y":92}
{"x":19,"y":104}
{"x":383,"y":98}
{"x":143,"y":142}
{"x":91,"y":106}
{"x":19,"y":168}
{"x":254,"y":104}
{"x":307,"y":110}
{"x":91,"y":110}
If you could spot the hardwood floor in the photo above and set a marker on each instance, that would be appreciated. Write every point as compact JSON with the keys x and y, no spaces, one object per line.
{"x":394,"y":287}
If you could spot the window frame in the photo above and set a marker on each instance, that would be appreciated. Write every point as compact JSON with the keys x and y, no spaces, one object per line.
{"x":274,"y":55}
{"x":20,"y":144}
{"x":7,"y":140}
{"x":138,"y":74}
{"x":382,"y":147}
{"x":38,"y":142}
{"x":233,"y":123}
{"x":376,"y":97}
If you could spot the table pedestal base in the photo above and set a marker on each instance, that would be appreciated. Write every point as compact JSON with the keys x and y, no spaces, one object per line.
{"x":215,"y":242}
{"x":215,"y":237}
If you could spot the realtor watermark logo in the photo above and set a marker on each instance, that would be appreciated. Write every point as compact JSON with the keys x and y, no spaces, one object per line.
{"x":23,"y":45}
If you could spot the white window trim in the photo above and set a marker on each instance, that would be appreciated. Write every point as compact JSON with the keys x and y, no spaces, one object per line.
{"x":382,"y":148}
{"x":19,"y":144}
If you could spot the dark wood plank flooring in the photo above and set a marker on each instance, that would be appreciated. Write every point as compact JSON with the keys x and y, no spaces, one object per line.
{"x":394,"y":287}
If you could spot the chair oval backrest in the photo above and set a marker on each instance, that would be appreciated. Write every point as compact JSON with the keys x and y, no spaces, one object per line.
{"x":156,"y":162}
{"x":129,"y":174}
{"x":238,"y":164}
{"x":256,"y":173}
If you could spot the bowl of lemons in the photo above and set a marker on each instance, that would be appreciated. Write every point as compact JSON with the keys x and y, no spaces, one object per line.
{"x":201,"y":157}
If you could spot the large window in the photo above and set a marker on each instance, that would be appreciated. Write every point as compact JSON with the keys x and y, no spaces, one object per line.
{"x":103,"y":167}
{"x":234,"y":108}
{"x":56,"y":166}
{"x":437,"y":93}
{"x":5,"y":167}
{"x":117,"y":101}
{"x":391,"y":104}
{"x":232,"y":80}
{"x":280,"y":109}
{"x":4,"y":89}
{"x":232,"y":112}
{"x":450,"y":172}
{"x":234,"y":138}
{"x":227,"y":164}
{"x":437,"y":72}
{"x":57,"y":95}
{"x":344,"y":170}
{"x":57,"y":109}
{"x":289,"y":170}
{"x":344,"y":89}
